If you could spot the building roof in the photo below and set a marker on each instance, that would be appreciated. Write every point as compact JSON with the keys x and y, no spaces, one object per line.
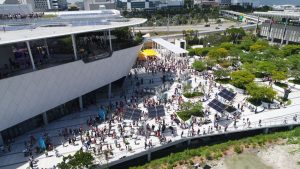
{"x":294,"y":15}
{"x":170,"y":46}
{"x":62,"y":23}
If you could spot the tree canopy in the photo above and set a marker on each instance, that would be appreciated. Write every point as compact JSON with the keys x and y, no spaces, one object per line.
{"x":260,"y":93}
{"x":199,"y":65}
{"x":241,"y":78}
{"x":218,"y":54}
{"x":79,"y":160}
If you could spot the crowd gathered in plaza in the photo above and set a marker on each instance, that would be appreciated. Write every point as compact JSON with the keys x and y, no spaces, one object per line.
{"x":116,"y":136}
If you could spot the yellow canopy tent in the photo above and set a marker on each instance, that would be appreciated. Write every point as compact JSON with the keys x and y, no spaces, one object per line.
{"x":149,"y":53}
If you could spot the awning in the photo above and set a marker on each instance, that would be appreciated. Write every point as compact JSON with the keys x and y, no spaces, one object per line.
{"x":169,"y":46}
{"x":149,"y":52}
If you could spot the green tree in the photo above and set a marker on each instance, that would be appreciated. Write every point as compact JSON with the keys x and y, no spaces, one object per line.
{"x":199,"y":65}
{"x":79,"y":160}
{"x":259,"y":46}
{"x":241,"y":78}
{"x":236,"y":34}
{"x":293,"y":61}
{"x":279,"y":75}
{"x":290,"y":49}
{"x":245,"y":44}
{"x":265,"y":67}
{"x":218,"y":54}
{"x":221,"y":73}
{"x":260,"y":93}
{"x":227,"y":45}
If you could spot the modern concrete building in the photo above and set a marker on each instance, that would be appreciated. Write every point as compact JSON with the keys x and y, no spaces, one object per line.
{"x":278,"y":15}
{"x":22,"y":9}
{"x":281,"y":33}
{"x":53,"y":67}
{"x":224,"y":2}
{"x":99,"y":4}
{"x":49,"y":5}
{"x":242,"y":2}
{"x":206,"y":2}
{"x":130,"y":5}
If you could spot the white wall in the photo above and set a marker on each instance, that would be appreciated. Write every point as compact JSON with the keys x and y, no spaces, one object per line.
{"x":28,"y":95}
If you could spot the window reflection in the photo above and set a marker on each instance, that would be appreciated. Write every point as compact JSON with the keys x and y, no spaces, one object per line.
{"x":14,"y":60}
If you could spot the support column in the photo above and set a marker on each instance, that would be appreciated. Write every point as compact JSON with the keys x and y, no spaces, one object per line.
{"x":30,"y":55}
{"x":109,"y":91}
{"x":74,"y":46}
{"x":1,"y":139}
{"x":80,"y":103}
{"x":287,"y":42}
{"x":266,"y":130}
{"x":133,"y":32}
{"x":109,"y":37}
{"x":45,"y":118}
{"x":149,"y":156}
{"x":47,"y":48}
{"x":189,"y":142}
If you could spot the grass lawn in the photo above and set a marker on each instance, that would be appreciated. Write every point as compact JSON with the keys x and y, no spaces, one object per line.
{"x":282,"y":85}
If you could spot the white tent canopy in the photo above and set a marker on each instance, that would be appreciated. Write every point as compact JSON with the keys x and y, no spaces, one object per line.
{"x":169,"y":46}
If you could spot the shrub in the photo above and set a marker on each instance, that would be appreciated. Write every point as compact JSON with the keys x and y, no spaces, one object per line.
{"x":199,"y":66}
{"x":191,"y":95}
{"x":208,"y":155}
{"x":238,"y":149}
{"x":194,"y":110}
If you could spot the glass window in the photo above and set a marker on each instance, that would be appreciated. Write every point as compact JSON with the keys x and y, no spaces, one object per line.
{"x":14,"y":60}
{"x":93,"y":46}
{"x":122,"y":38}
{"x":52,"y":52}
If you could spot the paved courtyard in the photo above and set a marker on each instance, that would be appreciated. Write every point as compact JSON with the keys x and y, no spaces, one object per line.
{"x":117,"y":137}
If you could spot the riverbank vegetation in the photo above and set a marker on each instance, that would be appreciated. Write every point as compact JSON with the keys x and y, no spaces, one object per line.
{"x":217,"y":151}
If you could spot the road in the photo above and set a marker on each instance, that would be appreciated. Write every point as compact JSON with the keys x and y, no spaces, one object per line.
{"x":200,"y":28}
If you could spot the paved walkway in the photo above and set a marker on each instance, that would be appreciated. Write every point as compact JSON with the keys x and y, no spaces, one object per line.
{"x":15,"y":158}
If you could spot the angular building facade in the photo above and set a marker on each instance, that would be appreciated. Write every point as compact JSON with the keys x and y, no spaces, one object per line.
{"x":48,"y":70}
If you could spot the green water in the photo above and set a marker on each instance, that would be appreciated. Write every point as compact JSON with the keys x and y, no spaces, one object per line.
{"x":245,"y":161}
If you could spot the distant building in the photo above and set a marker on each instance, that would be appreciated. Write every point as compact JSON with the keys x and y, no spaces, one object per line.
{"x":99,"y":4}
{"x":279,"y":15}
{"x":285,"y":8}
{"x":79,"y":5}
{"x":44,"y":5}
{"x":242,"y":2}
{"x":22,"y":9}
{"x":148,"y":4}
{"x":280,"y":33}
{"x":224,"y":2}
{"x":206,"y":2}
